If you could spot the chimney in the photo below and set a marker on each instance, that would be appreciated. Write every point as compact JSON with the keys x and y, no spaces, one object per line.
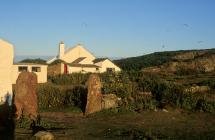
{"x":61,"y":49}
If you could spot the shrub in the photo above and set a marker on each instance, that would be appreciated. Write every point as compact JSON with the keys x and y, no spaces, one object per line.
{"x":205,"y":106}
{"x":69,"y":79}
{"x":144,"y":102}
{"x":210,"y":83}
{"x":188,"y":101}
{"x":76,"y":96}
{"x":130,"y":86}
{"x":116,"y":83}
{"x":50,"y":96}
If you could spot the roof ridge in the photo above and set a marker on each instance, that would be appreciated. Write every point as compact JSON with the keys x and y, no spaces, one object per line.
{"x":71,"y":48}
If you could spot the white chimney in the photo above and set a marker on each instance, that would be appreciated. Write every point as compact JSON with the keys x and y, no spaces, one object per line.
{"x":61,"y":50}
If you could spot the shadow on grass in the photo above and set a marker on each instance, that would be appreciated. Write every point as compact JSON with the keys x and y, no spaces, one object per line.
{"x":7,"y":124}
{"x":77,"y":97}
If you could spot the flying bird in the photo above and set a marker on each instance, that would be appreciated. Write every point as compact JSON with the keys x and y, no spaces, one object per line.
{"x":199,"y":42}
{"x":186,"y":25}
{"x":84,"y":24}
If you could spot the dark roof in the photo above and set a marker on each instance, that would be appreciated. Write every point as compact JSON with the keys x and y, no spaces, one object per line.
{"x":57,"y":61}
{"x":84,"y":65}
{"x":78,"y":60}
{"x":99,"y":60}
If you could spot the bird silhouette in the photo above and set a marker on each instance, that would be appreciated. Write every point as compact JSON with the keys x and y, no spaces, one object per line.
{"x":186,"y":25}
{"x":199,"y":42}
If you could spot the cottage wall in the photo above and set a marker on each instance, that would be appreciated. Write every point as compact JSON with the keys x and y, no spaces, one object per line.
{"x":77,"y":52}
{"x":6,"y":63}
{"x":107,"y":64}
{"x":82,"y":70}
{"x":41,"y":75}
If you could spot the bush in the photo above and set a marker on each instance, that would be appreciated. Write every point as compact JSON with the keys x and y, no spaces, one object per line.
{"x":130,"y":86}
{"x":69,"y":79}
{"x":210,"y":83}
{"x":116,"y":83}
{"x":146,"y":102}
{"x":76,"y":97}
{"x":195,"y":102}
{"x":188,"y":101}
{"x":205,"y":106}
{"x":51,"y":96}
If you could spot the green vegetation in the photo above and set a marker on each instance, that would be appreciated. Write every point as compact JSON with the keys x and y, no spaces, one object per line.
{"x":149,"y":60}
{"x":36,"y":61}
{"x":69,"y":79}
{"x":138,"y":92}
{"x":157,"y":58}
{"x":57,"y":97}
{"x":153,"y":106}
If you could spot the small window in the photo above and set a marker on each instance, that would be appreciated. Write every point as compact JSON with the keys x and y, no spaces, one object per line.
{"x":97,"y":69}
{"x":22,"y":68}
{"x":36,"y":69}
{"x":110,"y":70}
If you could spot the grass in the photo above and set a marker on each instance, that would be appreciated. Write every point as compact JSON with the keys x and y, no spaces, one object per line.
{"x":117,"y":124}
{"x":147,"y":125}
{"x":71,"y":109}
{"x":157,"y":125}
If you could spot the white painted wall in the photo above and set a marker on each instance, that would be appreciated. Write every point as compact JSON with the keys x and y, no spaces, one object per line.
{"x":107,"y":64}
{"x":76,"y":52}
{"x":61,"y":50}
{"x":6,"y":64}
{"x":82,"y":70}
{"x":41,"y":76}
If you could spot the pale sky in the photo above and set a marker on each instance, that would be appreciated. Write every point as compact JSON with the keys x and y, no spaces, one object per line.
{"x":112,"y":28}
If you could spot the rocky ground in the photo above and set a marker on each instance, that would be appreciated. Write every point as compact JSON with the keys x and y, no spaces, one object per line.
{"x":108,"y":125}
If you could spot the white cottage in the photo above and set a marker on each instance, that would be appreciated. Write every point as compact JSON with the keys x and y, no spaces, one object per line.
{"x":39,"y":69}
{"x":6,"y":65}
{"x":79,"y":60}
{"x":9,"y":71}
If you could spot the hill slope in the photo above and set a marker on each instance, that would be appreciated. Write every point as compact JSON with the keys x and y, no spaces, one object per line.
{"x":160,"y":58}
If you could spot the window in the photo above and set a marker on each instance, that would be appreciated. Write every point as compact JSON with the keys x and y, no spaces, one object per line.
{"x":97,"y":69}
{"x":110,"y":70}
{"x":36,"y":69}
{"x":22,"y":68}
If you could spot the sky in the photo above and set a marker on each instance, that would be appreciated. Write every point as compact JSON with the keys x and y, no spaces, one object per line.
{"x":107,"y":28}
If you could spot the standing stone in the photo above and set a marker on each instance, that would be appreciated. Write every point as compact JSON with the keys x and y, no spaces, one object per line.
{"x":94,"y":96}
{"x":25,"y":95}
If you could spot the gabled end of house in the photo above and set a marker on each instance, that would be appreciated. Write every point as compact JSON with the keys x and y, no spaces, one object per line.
{"x":79,"y":60}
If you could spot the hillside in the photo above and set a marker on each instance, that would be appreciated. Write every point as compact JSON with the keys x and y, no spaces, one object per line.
{"x":159,"y":58}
